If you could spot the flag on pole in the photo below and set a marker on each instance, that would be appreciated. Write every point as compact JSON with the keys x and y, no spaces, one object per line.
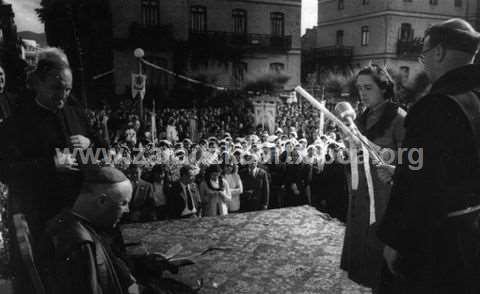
{"x":138,"y":85}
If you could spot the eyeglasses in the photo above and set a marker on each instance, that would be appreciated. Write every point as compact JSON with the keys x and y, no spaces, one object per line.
{"x":421,"y":57}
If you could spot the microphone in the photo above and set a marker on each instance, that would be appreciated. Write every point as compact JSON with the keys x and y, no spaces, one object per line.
{"x":345,"y":112}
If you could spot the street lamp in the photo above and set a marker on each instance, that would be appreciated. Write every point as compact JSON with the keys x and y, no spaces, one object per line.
{"x":139,"y":54}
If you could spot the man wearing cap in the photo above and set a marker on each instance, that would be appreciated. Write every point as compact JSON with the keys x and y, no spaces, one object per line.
{"x":80,"y":252}
{"x":431,"y":225}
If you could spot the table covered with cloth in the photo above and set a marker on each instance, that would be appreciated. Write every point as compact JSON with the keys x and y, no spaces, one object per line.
{"x":289,"y":250}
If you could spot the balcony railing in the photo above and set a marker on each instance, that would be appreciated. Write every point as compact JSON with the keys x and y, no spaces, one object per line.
{"x":334,"y":51}
{"x":247,"y":41}
{"x":148,"y":36}
{"x":411,"y":48}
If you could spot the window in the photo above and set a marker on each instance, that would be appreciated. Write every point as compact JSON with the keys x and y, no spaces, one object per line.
{"x":150,"y":12}
{"x":277,"y":67}
{"x":433,"y":2}
{"x":277,"y":20}
{"x":198,"y":19}
{"x":365,"y":35}
{"x":406,"y":32}
{"x":239,"y":21}
{"x":458,"y":3}
{"x":340,"y":4}
{"x":340,"y":38}
{"x":238,"y":70}
{"x":155,"y":78}
{"x":365,"y":2}
{"x":407,"y":0}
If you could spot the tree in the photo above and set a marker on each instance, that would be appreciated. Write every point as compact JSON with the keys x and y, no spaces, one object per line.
{"x":83,"y":28}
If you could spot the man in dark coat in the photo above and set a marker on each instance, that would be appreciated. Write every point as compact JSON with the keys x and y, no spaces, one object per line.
{"x":75,"y":256}
{"x":6,"y":99}
{"x":430,"y":227}
{"x":183,"y":197}
{"x":256,"y":186}
{"x":82,"y":251}
{"x":35,"y":163}
{"x":142,"y":208}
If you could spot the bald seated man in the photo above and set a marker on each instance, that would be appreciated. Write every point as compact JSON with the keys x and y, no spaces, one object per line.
{"x":78,"y":254}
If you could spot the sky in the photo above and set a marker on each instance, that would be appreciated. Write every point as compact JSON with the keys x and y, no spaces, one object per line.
{"x":25,"y":16}
{"x":27,"y":20}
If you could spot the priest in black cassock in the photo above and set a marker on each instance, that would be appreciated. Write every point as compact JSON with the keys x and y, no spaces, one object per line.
{"x":431,"y":225}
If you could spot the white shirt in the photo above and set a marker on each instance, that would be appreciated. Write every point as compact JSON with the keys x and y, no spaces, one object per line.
{"x":187,"y":211}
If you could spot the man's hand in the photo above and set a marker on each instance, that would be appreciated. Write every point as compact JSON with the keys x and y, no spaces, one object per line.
{"x":79,"y":142}
{"x":385,"y":172}
{"x":134,"y":289}
{"x":64,"y":162}
{"x":391,"y":257}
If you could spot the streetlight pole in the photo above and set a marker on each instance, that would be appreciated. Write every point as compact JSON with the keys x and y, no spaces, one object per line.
{"x":139,"y":54}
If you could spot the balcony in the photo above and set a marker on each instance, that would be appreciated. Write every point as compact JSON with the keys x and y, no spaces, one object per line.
{"x":240,"y":41}
{"x":158,"y":37}
{"x":410,"y":48}
{"x":338,"y":51}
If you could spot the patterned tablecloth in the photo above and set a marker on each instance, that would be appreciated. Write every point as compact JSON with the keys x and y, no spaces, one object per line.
{"x":290,"y":250}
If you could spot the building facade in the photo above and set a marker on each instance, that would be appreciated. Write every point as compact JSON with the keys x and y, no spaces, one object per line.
{"x":31,"y":48}
{"x":385,"y":32}
{"x":231,"y":40}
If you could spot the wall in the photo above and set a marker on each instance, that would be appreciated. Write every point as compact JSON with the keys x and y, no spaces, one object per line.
{"x":326,"y":35}
{"x":445,"y":8}
{"x":328,"y":9}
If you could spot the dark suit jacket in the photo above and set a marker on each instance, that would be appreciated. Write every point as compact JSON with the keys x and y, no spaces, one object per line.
{"x":260,"y":186}
{"x":6,"y":105}
{"x":27,"y":148}
{"x":142,"y":206}
{"x":176,"y":200}
{"x":75,"y":258}
{"x":415,"y":223}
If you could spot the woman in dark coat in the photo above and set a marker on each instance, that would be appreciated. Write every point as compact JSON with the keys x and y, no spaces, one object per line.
{"x":382,"y":124}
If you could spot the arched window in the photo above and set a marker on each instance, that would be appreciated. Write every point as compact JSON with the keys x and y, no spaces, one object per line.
{"x":239,"y":21}
{"x":198,"y":19}
{"x":277,"y":20}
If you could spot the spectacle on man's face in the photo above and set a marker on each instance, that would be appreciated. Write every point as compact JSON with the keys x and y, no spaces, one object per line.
{"x":54,"y":90}
{"x":427,"y":57}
